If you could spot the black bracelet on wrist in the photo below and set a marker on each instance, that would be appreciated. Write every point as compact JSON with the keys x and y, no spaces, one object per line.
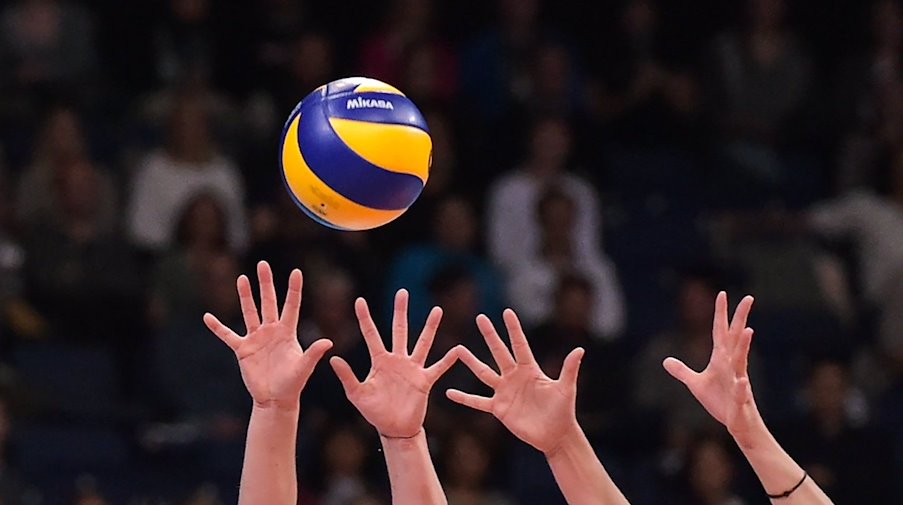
{"x":789,"y":492}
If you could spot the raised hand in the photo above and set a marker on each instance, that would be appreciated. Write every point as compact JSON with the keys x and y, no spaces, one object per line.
{"x":393,"y":397}
{"x":723,"y":388}
{"x":273,"y":365}
{"x":537,"y":409}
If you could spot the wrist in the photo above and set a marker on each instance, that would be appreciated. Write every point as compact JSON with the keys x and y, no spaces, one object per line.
{"x":572,"y":438}
{"x":274,"y":405}
{"x":754,"y":436}
{"x":402,"y":440}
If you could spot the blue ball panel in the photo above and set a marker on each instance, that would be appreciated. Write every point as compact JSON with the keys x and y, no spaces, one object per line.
{"x":347,"y":173}
{"x":354,"y":106}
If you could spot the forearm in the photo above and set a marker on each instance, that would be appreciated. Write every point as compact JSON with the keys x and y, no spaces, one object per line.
{"x":411,"y":473}
{"x":269,"y":475}
{"x":777,"y":471}
{"x":580,"y":475}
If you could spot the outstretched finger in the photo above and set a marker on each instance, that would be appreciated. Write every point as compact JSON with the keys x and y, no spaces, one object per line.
{"x":439,"y":368}
{"x":368,"y":328}
{"x":497,"y":347}
{"x":483,"y":372}
{"x":741,"y":315}
{"x":346,"y":376}
{"x":268,"y":305}
{"x":468,"y":400}
{"x":222,"y":331}
{"x":571,"y":367}
{"x":248,"y":307}
{"x":740,"y":356}
{"x":679,"y":370}
{"x":720,"y":324}
{"x":400,"y":323}
{"x":519,"y":344}
{"x":427,"y":336}
{"x":292,"y":309}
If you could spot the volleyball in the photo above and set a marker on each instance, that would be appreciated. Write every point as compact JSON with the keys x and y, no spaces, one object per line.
{"x":356,"y":154}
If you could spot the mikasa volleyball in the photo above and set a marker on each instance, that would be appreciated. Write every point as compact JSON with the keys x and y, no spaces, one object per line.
{"x":355,"y":154}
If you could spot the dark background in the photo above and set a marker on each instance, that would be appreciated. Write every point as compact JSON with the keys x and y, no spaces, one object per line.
{"x":602,"y":167}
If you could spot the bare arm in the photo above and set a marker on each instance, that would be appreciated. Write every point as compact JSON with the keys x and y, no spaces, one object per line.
{"x":540,"y":411}
{"x":724,"y":390}
{"x":393,"y":398}
{"x":275,"y":370}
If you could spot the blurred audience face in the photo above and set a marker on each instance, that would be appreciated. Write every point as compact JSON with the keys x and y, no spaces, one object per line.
{"x":827,"y":390}
{"x":412,"y":16}
{"x":711,"y":471}
{"x":766,"y":14}
{"x":345,"y":453}
{"x":460,"y":301}
{"x":218,"y":285}
{"x":203,"y":224}
{"x":190,"y":11}
{"x":518,"y":13}
{"x":887,"y":24}
{"x":421,"y":79}
{"x":573,"y":304}
{"x":696,"y":301}
{"x":311,"y":62}
{"x":62,"y":137}
{"x":333,"y":305}
{"x":468,"y":461}
{"x":455,"y":224}
{"x":639,"y":18}
{"x":189,"y":130}
{"x":77,"y":184}
{"x":552,"y":72}
{"x":550,"y":147}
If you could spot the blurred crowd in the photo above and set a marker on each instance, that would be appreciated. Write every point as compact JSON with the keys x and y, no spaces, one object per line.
{"x":602,"y":167}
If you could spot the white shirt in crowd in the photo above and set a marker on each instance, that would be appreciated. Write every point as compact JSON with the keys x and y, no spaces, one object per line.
{"x":875,"y":224}
{"x":514,"y":231}
{"x":162,"y":187}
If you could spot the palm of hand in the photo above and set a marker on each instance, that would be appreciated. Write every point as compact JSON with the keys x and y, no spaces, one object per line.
{"x":394,"y":395}
{"x":272,"y":363}
{"x":530,"y":405}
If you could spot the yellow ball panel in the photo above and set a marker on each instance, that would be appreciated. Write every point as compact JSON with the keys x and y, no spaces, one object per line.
{"x":377,"y":86}
{"x":396,"y":148}
{"x":322,"y":200}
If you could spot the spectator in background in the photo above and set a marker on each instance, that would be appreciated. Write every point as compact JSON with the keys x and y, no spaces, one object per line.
{"x":200,"y":237}
{"x":532,"y":282}
{"x":76,"y":261}
{"x":648,"y":97}
{"x":184,"y":41}
{"x":513,"y":231}
{"x":455,"y":234}
{"x":495,"y":69}
{"x":307,"y":63}
{"x":16,"y":317}
{"x":709,"y":475}
{"x":197,"y":377}
{"x":61,"y":141}
{"x":762,"y":79}
{"x":345,"y":457}
{"x":46,"y":51}
{"x":467,"y":464}
{"x":407,"y":49}
{"x":872,"y":221}
{"x":834,"y":441}
{"x":168,"y":178}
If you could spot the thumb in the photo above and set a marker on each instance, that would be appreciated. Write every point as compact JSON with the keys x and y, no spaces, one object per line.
{"x":571,"y":366}
{"x":679,"y":370}
{"x":346,"y":376}
{"x":313,"y":355}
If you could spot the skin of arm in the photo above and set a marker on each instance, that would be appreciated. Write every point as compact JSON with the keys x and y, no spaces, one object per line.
{"x":723,"y":388}
{"x":540,"y":411}
{"x":393,"y":398}
{"x":274,"y":369}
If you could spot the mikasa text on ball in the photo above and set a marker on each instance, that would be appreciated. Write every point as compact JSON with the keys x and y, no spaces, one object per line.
{"x":355,"y":154}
